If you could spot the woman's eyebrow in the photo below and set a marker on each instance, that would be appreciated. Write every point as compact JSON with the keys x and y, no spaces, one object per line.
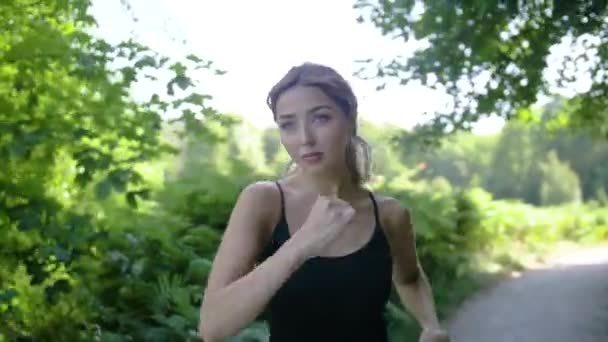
{"x":312,"y":110}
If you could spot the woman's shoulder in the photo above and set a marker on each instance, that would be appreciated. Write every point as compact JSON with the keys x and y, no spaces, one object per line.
{"x":393,"y":213}
{"x":263,"y":195}
{"x":261,"y":188}
{"x":388,"y":204}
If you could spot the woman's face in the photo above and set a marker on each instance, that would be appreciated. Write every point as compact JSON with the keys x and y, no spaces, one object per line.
{"x":313,"y":129}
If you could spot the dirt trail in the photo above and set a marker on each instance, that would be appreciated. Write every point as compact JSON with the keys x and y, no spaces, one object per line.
{"x":567,"y":301}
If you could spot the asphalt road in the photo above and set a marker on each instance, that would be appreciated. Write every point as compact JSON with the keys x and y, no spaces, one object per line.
{"x":567,"y":301}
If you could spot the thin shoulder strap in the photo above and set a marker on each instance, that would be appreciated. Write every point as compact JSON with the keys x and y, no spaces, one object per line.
{"x":282,"y":200}
{"x":376,"y":215}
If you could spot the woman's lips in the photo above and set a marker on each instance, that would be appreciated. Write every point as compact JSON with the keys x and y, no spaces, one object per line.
{"x":312,"y":157}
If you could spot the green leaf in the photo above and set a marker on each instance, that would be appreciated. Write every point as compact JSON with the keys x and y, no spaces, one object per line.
{"x":198,"y":269}
{"x":131,"y":199}
{"x":30,"y":221}
{"x":170,"y":90}
{"x":183,"y":82}
{"x":178,"y":323}
{"x":107,"y":336}
{"x":128,"y":74}
{"x":62,"y":254}
{"x":6,"y":296}
{"x":17,"y":149}
{"x":197,"y":99}
{"x":148,"y":61}
{"x":178,"y":68}
{"x":119,"y":179}
{"x":37,"y":271}
{"x":194,"y":58}
{"x":145,"y":193}
{"x":103,"y":189}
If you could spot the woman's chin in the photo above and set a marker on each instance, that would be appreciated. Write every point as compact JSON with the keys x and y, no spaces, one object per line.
{"x":312,"y":168}
{"x":317,"y":169}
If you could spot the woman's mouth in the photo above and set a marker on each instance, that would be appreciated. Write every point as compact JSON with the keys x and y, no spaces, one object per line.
{"x":312,"y":157}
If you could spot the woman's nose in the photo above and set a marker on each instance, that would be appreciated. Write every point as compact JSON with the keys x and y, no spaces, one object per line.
{"x":306,"y":135}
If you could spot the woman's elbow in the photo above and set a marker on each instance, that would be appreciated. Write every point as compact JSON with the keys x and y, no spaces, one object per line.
{"x":211,"y":328}
{"x":206,"y":336}
{"x":206,"y":327}
{"x":409,"y":277}
{"x":208,"y":333}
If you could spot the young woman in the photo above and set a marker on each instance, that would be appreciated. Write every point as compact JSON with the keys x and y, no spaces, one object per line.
{"x":315,"y":251}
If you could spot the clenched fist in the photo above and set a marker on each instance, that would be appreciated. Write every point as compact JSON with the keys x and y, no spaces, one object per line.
{"x":326,"y":220}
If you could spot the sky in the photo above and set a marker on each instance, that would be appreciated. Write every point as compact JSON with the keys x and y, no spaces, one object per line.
{"x":256,"y":42}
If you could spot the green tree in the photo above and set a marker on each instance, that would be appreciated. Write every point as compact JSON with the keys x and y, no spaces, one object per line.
{"x":70,"y":133}
{"x":272,"y":143}
{"x":386,"y":158}
{"x":490,"y":56}
{"x":559,"y":183}
{"x":514,"y":168}
{"x":248,"y":146}
{"x":586,"y":156}
{"x":464,"y":161}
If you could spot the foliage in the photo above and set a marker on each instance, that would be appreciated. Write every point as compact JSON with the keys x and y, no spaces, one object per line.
{"x":385,"y":161}
{"x":559,"y":183}
{"x":465,"y":240}
{"x":513,"y":174}
{"x":509,"y":164}
{"x":70,"y":138}
{"x":496,"y":57}
{"x":465,"y":160}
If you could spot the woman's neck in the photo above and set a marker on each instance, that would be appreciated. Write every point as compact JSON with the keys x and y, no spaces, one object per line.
{"x":323,"y":185}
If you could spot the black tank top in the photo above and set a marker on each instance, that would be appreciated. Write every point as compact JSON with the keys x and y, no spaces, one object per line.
{"x":332,"y":298}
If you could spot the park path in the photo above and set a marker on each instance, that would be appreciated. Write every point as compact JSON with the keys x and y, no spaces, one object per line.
{"x":564,"y":301}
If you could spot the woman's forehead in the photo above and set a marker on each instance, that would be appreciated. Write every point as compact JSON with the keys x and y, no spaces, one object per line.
{"x":303,"y":100}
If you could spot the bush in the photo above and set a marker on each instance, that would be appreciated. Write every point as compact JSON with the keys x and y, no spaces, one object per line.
{"x":465,"y":238}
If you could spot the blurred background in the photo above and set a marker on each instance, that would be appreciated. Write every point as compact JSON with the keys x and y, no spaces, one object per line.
{"x":129,"y":127}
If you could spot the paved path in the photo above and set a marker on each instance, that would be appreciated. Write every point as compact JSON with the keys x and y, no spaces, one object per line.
{"x":565,"y":302}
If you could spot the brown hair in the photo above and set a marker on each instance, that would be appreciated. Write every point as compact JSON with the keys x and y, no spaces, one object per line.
{"x":358,"y":159}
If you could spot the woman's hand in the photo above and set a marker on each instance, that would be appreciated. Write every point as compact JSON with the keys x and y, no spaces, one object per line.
{"x":434,"y":335}
{"x":327,"y":219}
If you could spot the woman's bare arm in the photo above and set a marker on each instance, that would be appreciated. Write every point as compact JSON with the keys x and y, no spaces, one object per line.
{"x":409,"y":278}
{"x":236,"y":293}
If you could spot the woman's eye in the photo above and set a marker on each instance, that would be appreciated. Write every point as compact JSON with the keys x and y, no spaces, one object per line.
{"x":322,"y":118}
{"x":286,"y":125}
